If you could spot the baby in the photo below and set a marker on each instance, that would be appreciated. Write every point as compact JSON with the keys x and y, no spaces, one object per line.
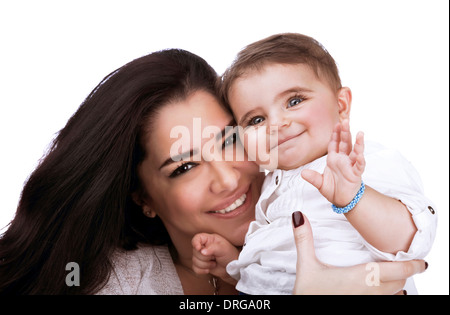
{"x":364,"y":202}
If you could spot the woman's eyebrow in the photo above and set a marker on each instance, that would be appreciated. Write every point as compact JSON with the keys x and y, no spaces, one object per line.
{"x":222,"y":133}
{"x":179,"y":157}
{"x":246,"y":116}
{"x":191,"y":153}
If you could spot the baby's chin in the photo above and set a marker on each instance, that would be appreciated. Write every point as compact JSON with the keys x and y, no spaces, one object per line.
{"x":289,"y":166}
{"x":283,"y":163}
{"x":290,"y":158}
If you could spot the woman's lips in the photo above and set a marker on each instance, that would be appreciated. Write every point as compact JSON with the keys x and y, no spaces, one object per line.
{"x":238,"y":204}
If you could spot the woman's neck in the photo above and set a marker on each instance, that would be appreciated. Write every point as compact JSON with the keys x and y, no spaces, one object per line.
{"x":181,"y":250}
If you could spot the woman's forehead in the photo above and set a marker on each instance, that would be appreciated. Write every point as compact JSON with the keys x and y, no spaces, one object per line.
{"x":200,"y":109}
{"x":188,"y":123}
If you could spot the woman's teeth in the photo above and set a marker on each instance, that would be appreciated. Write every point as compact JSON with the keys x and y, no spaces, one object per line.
{"x":237,"y":203}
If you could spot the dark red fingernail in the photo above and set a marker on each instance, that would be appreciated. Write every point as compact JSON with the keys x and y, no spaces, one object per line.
{"x":405,"y":292}
{"x":426,"y":265}
{"x":297,"y":219}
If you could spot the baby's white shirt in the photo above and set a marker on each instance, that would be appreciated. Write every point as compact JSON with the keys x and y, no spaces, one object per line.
{"x":267,"y":262}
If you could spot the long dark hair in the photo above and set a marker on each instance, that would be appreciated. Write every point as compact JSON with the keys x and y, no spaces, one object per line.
{"x":77,"y":206}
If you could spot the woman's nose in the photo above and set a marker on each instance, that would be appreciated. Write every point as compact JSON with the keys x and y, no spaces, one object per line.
{"x":224,"y":176}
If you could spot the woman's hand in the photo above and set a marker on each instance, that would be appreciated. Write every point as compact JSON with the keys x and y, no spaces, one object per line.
{"x":315,"y":277}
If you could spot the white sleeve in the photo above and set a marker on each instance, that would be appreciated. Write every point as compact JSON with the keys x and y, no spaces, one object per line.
{"x":388,"y":172}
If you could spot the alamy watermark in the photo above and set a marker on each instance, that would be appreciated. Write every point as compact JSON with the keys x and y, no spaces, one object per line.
{"x":260,"y":144}
{"x":73,"y":277}
{"x":373,"y":275}
{"x":372,"y":278}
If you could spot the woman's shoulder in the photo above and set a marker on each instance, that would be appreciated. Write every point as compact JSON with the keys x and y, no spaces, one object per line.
{"x":143,"y":253}
{"x":145,"y":270}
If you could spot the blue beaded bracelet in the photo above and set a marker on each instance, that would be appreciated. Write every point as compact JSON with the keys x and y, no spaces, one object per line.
{"x":352,"y":203}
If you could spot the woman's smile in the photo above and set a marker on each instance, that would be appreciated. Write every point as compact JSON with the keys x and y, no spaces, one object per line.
{"x":235,"y":205}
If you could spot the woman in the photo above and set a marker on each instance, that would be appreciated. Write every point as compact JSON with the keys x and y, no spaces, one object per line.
{"x":110,"y":197}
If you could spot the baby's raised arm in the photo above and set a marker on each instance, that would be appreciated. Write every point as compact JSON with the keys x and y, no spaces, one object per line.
{"x":341,"y":179}
{"x":365,"y":208}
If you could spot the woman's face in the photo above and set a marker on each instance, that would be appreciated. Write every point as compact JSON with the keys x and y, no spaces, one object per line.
{"x":214,"y":188}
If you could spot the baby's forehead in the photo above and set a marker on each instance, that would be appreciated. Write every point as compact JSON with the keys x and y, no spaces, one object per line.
{"x":280,"y":71}
{"x":271,"y":66}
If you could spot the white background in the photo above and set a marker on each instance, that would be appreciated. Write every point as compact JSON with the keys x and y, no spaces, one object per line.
{"x":393,"y":54}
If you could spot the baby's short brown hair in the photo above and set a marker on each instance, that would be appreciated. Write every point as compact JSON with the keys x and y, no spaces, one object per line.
{"x":287,"y":48}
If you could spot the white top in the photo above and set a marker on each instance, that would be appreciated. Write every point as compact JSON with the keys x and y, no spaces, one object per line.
{"x":267,"y":263}
{"x":146,"y":270}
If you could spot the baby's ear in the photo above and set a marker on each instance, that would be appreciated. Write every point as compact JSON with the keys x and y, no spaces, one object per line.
{"x":344,"y":97}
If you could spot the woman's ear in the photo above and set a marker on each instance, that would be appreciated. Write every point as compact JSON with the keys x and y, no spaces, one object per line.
{"x":146,"y":209}
{"x":345,"y":103}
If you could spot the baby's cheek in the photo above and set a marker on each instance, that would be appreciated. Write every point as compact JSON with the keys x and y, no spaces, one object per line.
{"x":257,"y":144}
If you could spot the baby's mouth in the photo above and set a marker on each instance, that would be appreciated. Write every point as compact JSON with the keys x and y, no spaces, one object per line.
{"x":285,"y":139}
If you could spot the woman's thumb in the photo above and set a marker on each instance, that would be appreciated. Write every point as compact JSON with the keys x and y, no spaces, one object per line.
{"x":303,"y":239}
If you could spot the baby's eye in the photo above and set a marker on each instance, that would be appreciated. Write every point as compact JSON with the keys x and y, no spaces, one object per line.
{"x":256,"y":120}
{"x":294,"y":101}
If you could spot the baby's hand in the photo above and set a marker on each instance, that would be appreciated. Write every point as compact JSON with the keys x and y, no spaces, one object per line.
{"x":341,"y":178}
{"x":211,"y":254}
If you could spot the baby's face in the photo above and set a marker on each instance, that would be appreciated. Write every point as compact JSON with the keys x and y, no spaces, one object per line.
{"x":287,"y":114}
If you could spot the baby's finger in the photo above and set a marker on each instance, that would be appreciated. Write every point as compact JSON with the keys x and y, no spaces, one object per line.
{"x":359,"y":143}
{"x":200,"y":240}
{"x":203,"y":265}
{"x":199,"y":256}
{"x":313,"y":177}
{"x":360,"y":164}
{"x":345,"y":144}
{"x":333,"y":146}
{"x":199,"y":270}
{"x":353,"y":157}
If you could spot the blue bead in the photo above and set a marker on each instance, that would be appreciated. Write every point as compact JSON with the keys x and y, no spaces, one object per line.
{"x":352,"y":203}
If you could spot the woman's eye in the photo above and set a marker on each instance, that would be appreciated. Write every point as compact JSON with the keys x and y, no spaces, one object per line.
{"x":183,"y":169}
{"x":295,"y":101}
{"x":230,"y":140}
{"x":256,"y":120}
